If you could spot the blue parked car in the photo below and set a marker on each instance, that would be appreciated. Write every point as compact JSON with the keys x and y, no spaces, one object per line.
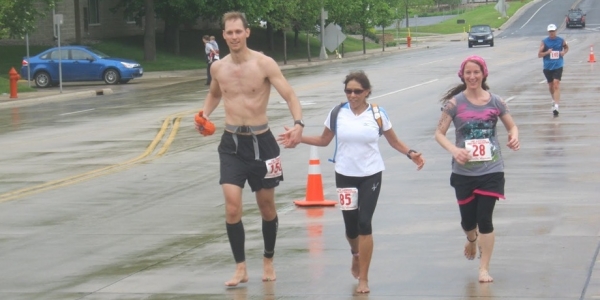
{"x":79,"y":63}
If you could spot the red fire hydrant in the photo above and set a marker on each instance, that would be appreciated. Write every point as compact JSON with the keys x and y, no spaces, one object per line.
{"x":408,"y":39}
{"x":14,"y":78}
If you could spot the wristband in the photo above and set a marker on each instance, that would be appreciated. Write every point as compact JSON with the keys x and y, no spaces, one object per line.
{"x":409,"y":152}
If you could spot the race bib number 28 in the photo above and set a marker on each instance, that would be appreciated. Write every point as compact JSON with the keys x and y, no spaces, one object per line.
{"x":480,"y":149}
{"x":274,"y":168}
{"x":348,"y":198}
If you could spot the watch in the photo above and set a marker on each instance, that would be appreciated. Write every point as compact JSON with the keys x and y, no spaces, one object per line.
{"x":299,"y":122}
{"x":409,"y":152}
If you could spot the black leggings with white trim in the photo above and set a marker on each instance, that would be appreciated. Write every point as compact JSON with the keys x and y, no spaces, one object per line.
{"x":358,"y":221}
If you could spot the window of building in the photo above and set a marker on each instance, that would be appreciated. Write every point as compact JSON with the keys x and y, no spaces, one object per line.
{"x":94,"y":11}
{"x":130,"y":19}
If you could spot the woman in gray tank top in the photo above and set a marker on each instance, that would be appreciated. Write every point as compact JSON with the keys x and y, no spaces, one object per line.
{"x":477,"y":165}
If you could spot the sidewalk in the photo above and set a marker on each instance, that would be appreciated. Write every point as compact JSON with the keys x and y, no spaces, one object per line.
{"x":73,"y":91}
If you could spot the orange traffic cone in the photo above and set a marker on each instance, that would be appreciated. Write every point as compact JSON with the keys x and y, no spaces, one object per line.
{"x":314,"y":185}
{"x":592,"y":57}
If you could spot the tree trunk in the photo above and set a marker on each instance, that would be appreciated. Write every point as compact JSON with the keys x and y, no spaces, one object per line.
{"x":77,"y":22}
{"x":383,"y":39}
{"x":149,"y":32}
{"x":296,"y":35}
{"x":270,"y":37}
{"x":308,"y":45}
{"x":284,"y":47}
{"x":364,"y":30}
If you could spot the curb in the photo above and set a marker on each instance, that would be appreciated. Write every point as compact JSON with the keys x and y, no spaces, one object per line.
{"x":56,"y":98}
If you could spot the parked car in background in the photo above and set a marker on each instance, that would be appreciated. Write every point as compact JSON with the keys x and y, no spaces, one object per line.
{"x":481,"y":35}
{"x":575,"y":17}
{"x":78,"y":63}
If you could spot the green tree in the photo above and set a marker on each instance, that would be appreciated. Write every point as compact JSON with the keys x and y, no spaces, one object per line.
{"x":383,"y":16}
{"x":17,"y":18}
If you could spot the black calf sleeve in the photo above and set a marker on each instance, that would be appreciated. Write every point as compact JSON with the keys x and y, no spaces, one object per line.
{"x":237,"y":238}
{"x":269,"y":230}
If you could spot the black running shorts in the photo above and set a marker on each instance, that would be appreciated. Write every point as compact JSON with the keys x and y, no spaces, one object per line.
{"x":239,"y":165}
{"x":553,"y":74}
{"x":466,"y":187}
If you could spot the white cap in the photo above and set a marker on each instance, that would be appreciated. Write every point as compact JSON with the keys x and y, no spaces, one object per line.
{"x":551,"y":27}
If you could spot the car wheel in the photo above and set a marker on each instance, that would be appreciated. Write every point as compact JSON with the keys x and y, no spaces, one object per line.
{"x":42,"y":79}
{"x":492,"y":44}
{"x":470,"y":45}
{"x":124,"y":81}
{"x":583,"y":25}
{"x":111,"y":76}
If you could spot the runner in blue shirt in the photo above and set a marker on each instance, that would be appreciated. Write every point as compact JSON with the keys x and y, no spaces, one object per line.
{"x":552,"y":50}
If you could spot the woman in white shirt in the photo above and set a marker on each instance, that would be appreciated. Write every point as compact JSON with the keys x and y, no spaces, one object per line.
{"x":359,"y":166}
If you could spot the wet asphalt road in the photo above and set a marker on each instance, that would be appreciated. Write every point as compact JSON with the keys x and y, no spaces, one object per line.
{"x":117,"y":197}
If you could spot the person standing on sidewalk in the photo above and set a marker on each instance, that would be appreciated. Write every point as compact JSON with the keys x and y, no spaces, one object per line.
{"x":477,"y":164}
{"x":213,"y":43}
{"x":248,"y":150}
{"x":552,"y":50}
{"x":359,"y":166}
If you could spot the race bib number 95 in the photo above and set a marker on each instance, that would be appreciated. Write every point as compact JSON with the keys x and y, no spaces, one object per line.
{"x":348,"y":198}
{"x":274,"y":168}
{"x":480,"y":149}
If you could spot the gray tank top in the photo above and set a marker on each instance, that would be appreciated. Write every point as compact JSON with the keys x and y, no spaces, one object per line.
{"x":475,"y":129}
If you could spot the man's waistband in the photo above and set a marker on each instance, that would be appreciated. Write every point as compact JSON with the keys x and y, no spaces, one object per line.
{"x":246,"y":129}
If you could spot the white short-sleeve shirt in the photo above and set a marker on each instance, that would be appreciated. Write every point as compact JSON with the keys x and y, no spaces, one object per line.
{"x":357,"y":142}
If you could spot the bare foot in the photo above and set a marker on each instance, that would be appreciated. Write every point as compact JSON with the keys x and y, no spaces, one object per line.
{"x":470,"y":250}
{"x":363,"y":287}
{"x":268,"y":271}
{"x":240,"y":275}
{"x":484,"y":276}
{"x":355,"y":266}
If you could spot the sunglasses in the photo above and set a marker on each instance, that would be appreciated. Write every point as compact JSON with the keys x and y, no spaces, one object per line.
{"x":355,"y":91}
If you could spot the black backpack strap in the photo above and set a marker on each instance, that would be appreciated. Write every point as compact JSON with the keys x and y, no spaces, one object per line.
{"x":333,"y":118}
{"x":333,"y":126}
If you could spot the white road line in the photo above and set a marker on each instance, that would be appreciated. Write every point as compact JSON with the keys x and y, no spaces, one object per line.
{"x":76,"y":112}
{"x":543,"y":81}
{"x":535,"y":14}
{"x":509,"y":98}
{"x":406,"y":88}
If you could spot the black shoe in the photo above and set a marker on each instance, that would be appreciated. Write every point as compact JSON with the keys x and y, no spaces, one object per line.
{"x":555,"y":112}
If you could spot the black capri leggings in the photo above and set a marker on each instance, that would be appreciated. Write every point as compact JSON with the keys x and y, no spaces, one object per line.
{"x":358,"y":221}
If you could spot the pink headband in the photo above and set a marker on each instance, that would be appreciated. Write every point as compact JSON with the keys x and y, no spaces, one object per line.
{"x":473,"y":58}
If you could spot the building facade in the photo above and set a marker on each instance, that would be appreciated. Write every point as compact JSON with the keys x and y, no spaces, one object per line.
{"x":83,"y":20}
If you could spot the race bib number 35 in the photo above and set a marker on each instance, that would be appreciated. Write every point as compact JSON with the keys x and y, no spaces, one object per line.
{"x":274,"y":168}
{"x":348,"y":198}
{"x":480,"y":149}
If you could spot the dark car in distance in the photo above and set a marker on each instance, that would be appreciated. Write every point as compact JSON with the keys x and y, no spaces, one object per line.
{"x":575,"y":17}
{"x":78,"y":63}
{"x":481,"y":35}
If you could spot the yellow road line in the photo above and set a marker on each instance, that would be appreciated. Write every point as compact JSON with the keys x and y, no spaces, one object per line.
{"x":102,"y":171}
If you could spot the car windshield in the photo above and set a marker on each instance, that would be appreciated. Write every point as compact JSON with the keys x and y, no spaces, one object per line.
{"x":574,"y":15}
{"x":480,"y":29}
{"x":99,"y":53}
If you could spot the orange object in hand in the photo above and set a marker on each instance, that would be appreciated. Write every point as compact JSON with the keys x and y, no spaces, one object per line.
{"x":203,"y":125}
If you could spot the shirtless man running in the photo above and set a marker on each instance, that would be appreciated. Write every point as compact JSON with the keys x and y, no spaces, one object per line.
{"x":248,"y":150}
